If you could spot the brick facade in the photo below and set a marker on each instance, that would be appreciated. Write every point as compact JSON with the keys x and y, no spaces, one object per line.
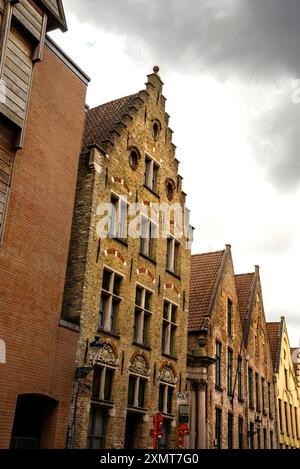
{"x":33,"y":255}
{"x":287,"y":386}
{"x":228,"y":338}
{"x":113,"y":131}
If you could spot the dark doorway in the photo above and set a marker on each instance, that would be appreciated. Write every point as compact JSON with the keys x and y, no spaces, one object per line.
{"x":163,"y":442}
{"x":34,"y":417}
{"x":133,"y":435}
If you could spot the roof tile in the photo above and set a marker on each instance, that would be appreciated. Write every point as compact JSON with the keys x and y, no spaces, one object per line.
{"x":101,"y":120}
{"x":244,"y":283}
{"x":203,"y":276}
{"x":273,"y":331}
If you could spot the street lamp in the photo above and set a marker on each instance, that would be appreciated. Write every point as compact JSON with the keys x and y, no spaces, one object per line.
{"x":201,"y":360}
{"x":83,"y":371}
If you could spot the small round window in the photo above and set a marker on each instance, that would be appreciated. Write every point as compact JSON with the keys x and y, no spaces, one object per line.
{"x":155,"y":130}
{"x":134,"y":159}
{"x":170,"y":189}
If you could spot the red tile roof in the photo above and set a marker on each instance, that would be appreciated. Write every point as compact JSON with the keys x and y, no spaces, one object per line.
{"x":101,"y":120}
{"x":274,"y":336}
{"x":244,"y":283}
{"x":203,"y":276}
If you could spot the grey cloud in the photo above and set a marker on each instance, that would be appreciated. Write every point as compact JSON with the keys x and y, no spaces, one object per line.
{"x":255,"y":40}
{"x":246,"y":37}
{"x":276,"y":141}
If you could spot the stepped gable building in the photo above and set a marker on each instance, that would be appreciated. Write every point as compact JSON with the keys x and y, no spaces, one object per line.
{"x":42,"y":114}
{"x":127,"y":283}
{"x":287,"y":386}
{"x":296,"y":362}
{"x":260,"y":409}
{"x":223,"y":366}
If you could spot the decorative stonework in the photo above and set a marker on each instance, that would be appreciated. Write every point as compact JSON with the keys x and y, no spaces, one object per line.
{"x":145,"y":271}
{"x":115,"y":252}
{"x":84,"y":390}
{"x":118,"y":180}
{"x":106,"y":355}
{"x":171,"y":286}
{"x":167,"y":375}
{"x":139,"y":366}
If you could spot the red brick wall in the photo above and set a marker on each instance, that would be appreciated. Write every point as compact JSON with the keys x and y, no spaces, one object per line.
{"x":33,"y":256}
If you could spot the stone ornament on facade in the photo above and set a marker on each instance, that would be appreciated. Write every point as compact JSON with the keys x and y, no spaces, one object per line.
{"x":116,"y":253}
{"x":171,"y":286}
{"x":118,"y":180}
{"x":106,"y":355}
{"x":84,"y":389}
{"x":139,"y":366}
{"x":167,"y":375}
{"x":147,"y":272}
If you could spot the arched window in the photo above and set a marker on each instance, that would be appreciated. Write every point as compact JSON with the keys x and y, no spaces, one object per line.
{"x":104,"y":373}
{"x":138,"y":378}
{"x":104,"y":370}
{"x":167,"y":384}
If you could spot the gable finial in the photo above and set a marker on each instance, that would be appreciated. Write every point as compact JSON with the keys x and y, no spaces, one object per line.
{"x":156,"y":69}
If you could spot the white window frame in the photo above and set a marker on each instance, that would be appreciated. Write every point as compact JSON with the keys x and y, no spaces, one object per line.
{"x":173,"y":260}
{"x":137,"y":389}
{"x":143,"y":312}
{"x":103,"y":368}
{"x":165,"y":396}
{"x":111,"y":296}
{"x":117,"y":227}
{"x":169,"y":326}
{"x":148,"y":179}
{"x":147,"y":240}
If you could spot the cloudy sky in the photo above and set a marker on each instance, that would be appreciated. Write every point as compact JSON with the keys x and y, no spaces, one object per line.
{"x":231,"y":70}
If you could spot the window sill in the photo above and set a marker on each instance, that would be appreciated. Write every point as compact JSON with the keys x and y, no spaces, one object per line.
{"x":69,"y":325}
{"x":173,"y":357}
{"x":136,"y":410}
{"x":219,"y":388}
{"x":174,"y":274}
{"x":144,"y":346}
{"x":148,"y":258}
{"x":265,"y":413}
{"x":108,"y":404}
{"x":241,"y":400}
{"x":124,"y":242}
{"x":152,"y":191}
{"x":110,"y":333}
{"x":251,"y":406}
{"x":168,"y":416}
{"x":230,"y":394}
